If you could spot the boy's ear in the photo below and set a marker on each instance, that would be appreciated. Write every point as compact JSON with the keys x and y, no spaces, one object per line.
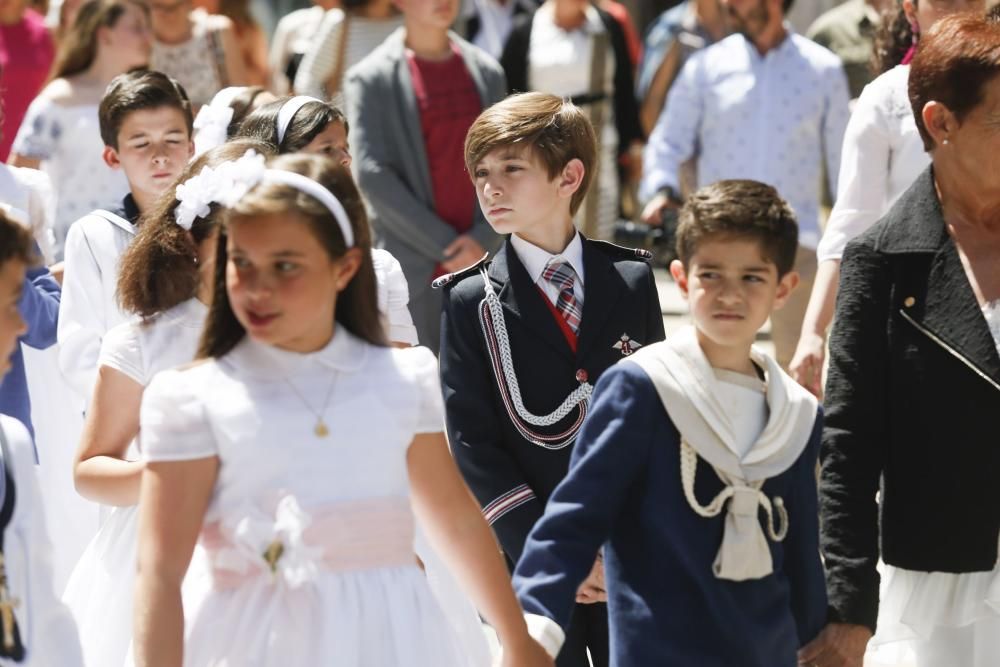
{"x":190,"y":148}
{"x":680,"y":276}
{"x":786,"y":286}
{"x":110,"y":156}
{"x":571,"y":177}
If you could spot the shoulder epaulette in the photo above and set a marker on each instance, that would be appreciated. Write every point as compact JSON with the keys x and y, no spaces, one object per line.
{"x":622,"y":252}
{"x":452,"y":278}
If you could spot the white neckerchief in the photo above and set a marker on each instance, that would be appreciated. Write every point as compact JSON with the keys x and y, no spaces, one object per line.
{"x":687,"y":386}
{"x":535,"y":260}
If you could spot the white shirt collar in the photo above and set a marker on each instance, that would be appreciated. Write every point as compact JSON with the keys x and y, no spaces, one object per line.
{"x":535,"y":259}
{"x":345,"y":353}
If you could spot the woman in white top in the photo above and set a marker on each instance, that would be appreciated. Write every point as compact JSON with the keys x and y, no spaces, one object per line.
{"x":882,"y":155}
{"x":345,"y":37}
{"x":296,"y":451}
{"x":60,"y":131}
{"x":165,"y":279}
{"x":197,"y":49}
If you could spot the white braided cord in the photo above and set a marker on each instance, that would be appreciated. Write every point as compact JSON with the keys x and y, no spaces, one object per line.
{"x":689,"y":465}
{"x":498,"y":344}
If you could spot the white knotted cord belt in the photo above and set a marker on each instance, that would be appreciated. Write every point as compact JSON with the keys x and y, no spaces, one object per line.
{"x":689,"y":464}
{"x":498,"y":343}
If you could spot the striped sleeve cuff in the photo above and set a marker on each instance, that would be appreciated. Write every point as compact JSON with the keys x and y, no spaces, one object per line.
{"x":546,"y":632}
{"x":511,"y":500}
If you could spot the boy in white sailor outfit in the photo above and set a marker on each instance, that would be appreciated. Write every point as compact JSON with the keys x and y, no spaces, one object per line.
{"x":146,"y":123}
{"x":695,"y":469}
{"x":525,"y":335}
{"x":35,"y":628}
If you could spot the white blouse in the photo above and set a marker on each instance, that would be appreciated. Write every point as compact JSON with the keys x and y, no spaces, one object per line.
{"x":882,"y":156}
{"x":141,"y":349}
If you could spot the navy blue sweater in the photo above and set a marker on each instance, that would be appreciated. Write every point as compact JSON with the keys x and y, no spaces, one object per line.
{"x":666,"y":606}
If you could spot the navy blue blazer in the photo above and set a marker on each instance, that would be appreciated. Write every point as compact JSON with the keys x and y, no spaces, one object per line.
{"x":509,"y":475}
{"x":665,"y":605}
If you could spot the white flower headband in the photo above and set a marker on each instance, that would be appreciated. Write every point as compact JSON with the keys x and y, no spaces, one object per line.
{"x":213,"y":120}
{"x":231,"y":181}
{"x":287,"y":113}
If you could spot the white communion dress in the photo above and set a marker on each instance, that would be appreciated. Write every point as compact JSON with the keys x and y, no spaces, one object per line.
{"x":309,"y":537}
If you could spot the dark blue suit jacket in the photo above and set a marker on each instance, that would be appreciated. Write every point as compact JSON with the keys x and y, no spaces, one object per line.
{"x":666,"y":606}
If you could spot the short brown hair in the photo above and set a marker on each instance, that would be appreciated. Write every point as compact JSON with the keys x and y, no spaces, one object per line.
{"x":954,"y":60}
{"x":357,"y":304}
{"x":158,"y":269}
{"x":556,"y":131}
{"x":740,"y":209}
{"x":16,"y":242}
{"x":137,"y":90}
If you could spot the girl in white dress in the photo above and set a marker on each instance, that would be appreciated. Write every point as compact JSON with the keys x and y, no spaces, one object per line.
{"x":59,"y":133}
{"x":296,"y":452}
{"x":165,"y":279}
{"x":304,"y":124}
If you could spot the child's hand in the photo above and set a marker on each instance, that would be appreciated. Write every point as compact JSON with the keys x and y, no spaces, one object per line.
{"x":807,"y":363}
{"x":530,"y":654}
{"x":592,"y":589}
{"x":838,"y":645}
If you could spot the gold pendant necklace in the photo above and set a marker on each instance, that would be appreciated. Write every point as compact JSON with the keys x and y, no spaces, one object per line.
{"x":320,"y":429}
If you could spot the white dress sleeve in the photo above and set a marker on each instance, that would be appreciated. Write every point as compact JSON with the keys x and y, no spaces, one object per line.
{"x":394,"y":297}
{"x":41,"y":208}
{"x":173,"y":425}
{"x":864,"y":172}
{"x":121,"y":350}
{"x":424,"y":365}
{"x":51,"y":636}
{"x":40,"y":131}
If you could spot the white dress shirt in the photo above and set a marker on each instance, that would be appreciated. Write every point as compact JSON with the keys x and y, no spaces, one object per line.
{"x":535,"y":260}
{"x":773,"y":118}
{"x":882,"y":156}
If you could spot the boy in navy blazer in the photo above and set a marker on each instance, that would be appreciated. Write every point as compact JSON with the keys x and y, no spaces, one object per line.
{"x":695,"y":469}
{"x":524,"y":337}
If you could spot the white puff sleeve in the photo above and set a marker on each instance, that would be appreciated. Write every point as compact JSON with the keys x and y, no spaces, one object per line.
{"x":173,"y":425}
{"x":393,"y":297}
{"x":424,"y":370}
{"x":122,"y":351}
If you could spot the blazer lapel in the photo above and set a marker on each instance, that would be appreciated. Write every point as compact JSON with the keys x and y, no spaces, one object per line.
{"x":409,"y":115}
{"x":951,"y":313}
{"x":601,"y":290}
{"x":523,"y":302}
{"x":936,"y":296}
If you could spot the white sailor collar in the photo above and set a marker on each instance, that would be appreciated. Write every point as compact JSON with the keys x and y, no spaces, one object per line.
{"x":345,"y":353}
{"x":535,"y":259}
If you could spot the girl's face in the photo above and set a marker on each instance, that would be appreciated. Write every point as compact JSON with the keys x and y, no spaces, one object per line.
{"x":331,"y":142}
{"x":130,"y":39}
{"x":281,"y":282}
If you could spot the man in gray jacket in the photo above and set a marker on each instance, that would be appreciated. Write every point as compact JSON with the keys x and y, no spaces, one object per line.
{"x":410,"y":103}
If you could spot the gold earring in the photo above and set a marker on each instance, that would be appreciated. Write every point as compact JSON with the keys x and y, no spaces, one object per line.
{"x":944,"y":143}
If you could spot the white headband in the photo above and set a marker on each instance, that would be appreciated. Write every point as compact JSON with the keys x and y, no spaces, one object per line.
{"x":212,"y":122}
{"x":231,"y":181}
{"x":288,"y":111}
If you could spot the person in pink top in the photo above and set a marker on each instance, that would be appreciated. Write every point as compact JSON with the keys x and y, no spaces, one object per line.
{"x":26,"y":55}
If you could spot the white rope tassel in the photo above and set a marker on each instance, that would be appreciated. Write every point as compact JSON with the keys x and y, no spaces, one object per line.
{"x":499,"y":341}
{"x":689,"y":465}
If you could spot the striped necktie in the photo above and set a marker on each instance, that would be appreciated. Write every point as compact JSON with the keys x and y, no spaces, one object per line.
{"x":562,"y":275}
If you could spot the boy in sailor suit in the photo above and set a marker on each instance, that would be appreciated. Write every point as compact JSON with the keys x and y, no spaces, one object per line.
{"x":146,"y":124}
{"x":35,"y":628}
{"x":524,"y":337}
{"x":696,"y":468}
